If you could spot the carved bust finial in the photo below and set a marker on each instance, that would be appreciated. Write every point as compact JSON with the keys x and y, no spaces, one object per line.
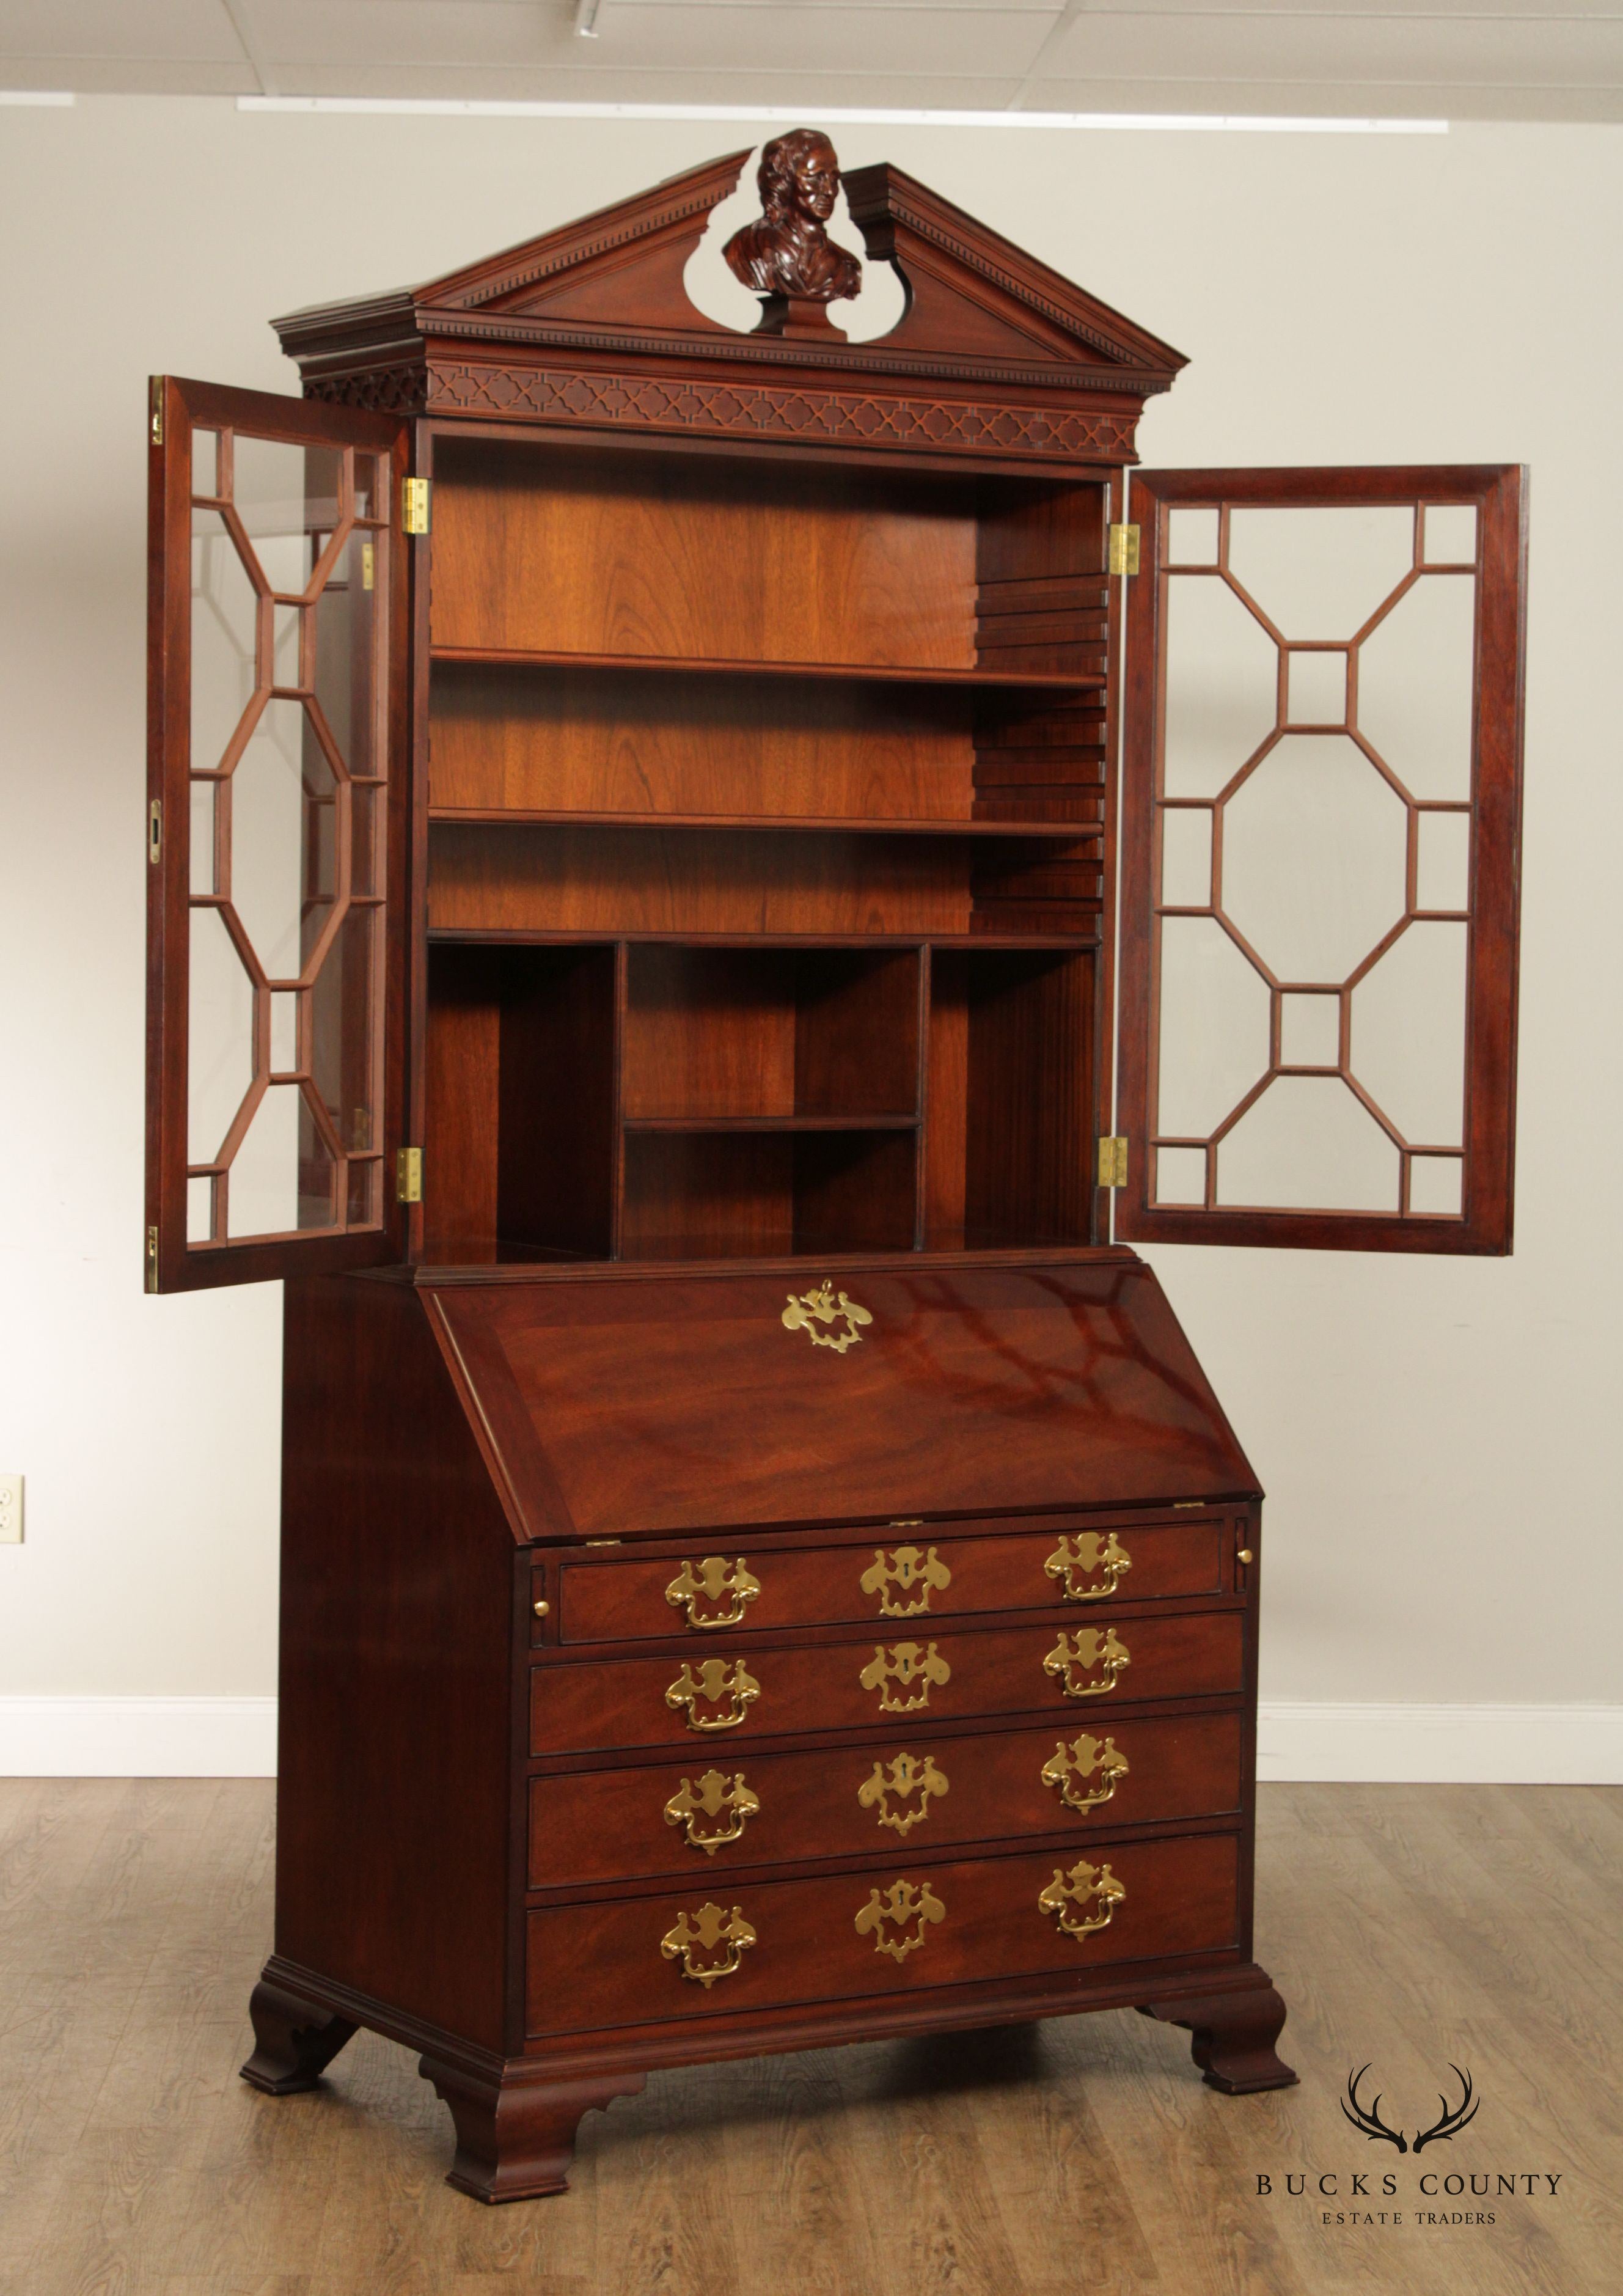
{"x":787,"y":258}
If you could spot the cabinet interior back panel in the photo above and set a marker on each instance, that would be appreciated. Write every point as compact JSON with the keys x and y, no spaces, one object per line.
{"x":595,"y":741}
{"x":673,"y":556}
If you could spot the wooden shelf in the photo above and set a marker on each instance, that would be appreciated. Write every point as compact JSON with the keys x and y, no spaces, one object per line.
{"x":770,"y":1123}
{"x":854,"y":825}
{"x":502,"y":657}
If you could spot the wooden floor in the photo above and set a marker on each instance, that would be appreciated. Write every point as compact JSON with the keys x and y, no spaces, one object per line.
{"x":1407,"y":1926}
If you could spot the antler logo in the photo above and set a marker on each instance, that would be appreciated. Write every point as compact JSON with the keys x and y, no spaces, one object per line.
{"x":905,"y":1778}
{"x":909,"y":1567}
{"x":899,"y":1668}
{"x":905,"y":1906}
{"x":821,"y":1306}
{"x":1449,"y":2123}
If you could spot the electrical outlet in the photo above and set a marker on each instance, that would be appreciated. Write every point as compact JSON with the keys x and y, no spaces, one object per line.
{"x":10,"y":1509}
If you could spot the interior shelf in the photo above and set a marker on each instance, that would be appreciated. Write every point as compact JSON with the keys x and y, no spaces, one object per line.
{"x":865,"y":673}
{"x":720,"y":1124}
{"x":856,"y":825}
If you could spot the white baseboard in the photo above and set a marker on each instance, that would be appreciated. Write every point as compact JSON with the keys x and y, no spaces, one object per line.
{"x":1309,"y":1739}
{"x":137,"y":1737}
{"x":1300,"y":1740}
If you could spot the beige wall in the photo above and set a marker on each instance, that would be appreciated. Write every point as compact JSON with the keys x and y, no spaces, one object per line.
{"x":1435,"y":1437}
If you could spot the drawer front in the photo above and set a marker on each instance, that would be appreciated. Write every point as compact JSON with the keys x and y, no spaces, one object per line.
{"x":720,"y":1811}
{"x":754,"y":1693}
{"x":705,"y":1952}
{"x":721,"y":1590}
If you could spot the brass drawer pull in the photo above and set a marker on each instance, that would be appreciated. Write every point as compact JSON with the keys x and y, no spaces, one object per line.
{"x":1090,"y":1553}
{"x":1069,"y":1768}
{"x":901,"y":1780}
{"x":714,"y":1683}
{"x":715,"y":1811}
{"x":1069,"y":1896}
{"x":709,"y":1932}
{"x":898,"y":1668}
{"x":710,"y":1582}
{"x":1088,"y":1651}
{"x":905,"y":1908}
{"x":900,"y":1574}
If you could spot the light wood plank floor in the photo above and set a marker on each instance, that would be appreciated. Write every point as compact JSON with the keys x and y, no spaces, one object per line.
{"x":1407,"y":1926}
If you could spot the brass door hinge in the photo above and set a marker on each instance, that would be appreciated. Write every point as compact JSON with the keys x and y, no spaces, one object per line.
{"x":155,"y":396}
{"x":154,"y":830}
{"x":414,"y":506}
{"x":152,"y":1259}
{"x":1113,"y":1162}
{"x":1124,"y":550}
{"x":408,"y":1176}
{"x":368,"y":566}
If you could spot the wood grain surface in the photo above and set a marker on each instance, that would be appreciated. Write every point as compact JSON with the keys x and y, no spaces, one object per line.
{"x":1406,"y":1924}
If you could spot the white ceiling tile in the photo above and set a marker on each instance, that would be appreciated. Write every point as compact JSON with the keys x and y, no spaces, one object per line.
{"x":191,"y":30}
{"x":1416,"y":52}
{"x":858,"y":42}
{"x":806,"y":91}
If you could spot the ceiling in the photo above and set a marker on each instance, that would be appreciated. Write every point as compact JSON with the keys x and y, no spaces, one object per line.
{"x":1554,"y":60}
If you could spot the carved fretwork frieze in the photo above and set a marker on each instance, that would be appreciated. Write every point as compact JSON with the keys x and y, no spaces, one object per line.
{"x":739,"y":410}
{"x":383,"y":389}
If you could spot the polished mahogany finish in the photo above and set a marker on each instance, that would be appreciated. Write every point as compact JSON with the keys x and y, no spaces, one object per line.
{"x":762,"y":1569}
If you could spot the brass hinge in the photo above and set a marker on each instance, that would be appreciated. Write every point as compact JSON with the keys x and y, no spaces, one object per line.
{"x":155,"y":394}
{"x":1124,"y":550}
{"x":408,"y":1176}
{"x":1113,"y":1162}
{"x":154,"y":830}
{"x":368,"y":566}
{"x":414,"y":506}
{"x":152,"y":1259}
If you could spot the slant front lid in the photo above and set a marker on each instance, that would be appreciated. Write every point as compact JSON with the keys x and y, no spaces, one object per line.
{"x":676,"y":1402}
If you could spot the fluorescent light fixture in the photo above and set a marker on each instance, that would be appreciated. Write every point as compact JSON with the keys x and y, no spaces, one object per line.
{"x":1202,"y":123}
{"x":56,"y":97}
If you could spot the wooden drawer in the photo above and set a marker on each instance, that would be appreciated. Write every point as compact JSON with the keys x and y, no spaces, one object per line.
{"x":714,"y":1814}
{"x":770,"y":1945}
{"x":720,"y":1588}
{"x":755,"y":1692}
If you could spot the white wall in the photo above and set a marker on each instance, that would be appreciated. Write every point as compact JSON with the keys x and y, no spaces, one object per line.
{"x":1436,"y":1437}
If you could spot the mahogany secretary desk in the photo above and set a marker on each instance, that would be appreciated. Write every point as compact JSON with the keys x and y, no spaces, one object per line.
{"x":704,"y":889}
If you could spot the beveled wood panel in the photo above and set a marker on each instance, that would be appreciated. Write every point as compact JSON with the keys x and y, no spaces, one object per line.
{"x":961,"y":1397}
{"x":590,"y":1966}
{"x":881,"y":1797}
{"x":915,"y":1678}
{"x":669,"y":554}
{"x":643,"y":880}
{"x":902,"y":1578}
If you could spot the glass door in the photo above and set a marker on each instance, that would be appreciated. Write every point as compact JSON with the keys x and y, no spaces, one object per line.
{"x":1321,"y":809}
{"x":275,"y":837}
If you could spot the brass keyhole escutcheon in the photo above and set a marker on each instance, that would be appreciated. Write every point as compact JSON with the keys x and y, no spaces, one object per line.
{"x":907,"y":1781}
{"x":897,"y":1918}
{"x":894,"y":1671}
{"x":895,"y":1577}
